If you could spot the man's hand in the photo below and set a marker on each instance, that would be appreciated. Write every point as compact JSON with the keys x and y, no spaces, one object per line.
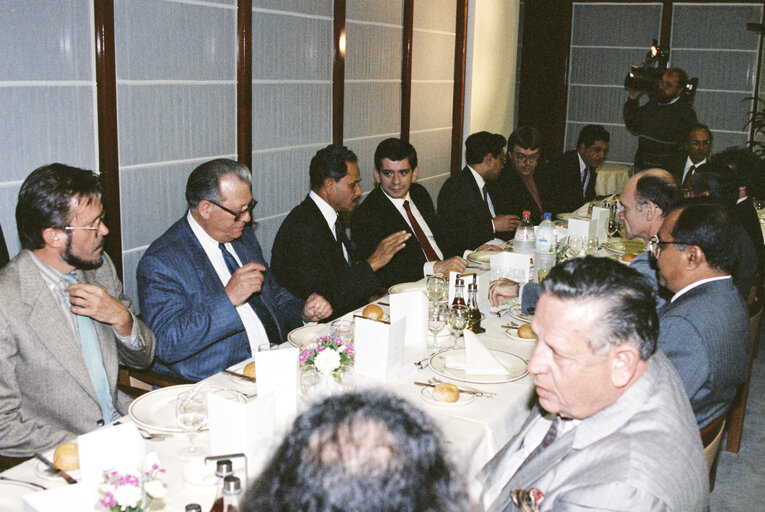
{"x":316,"y":308}
{"x":502,"y":288}
{"x":635,"y":94}
{"x":489,"y":247}
{"x":245,"y":281}
{"x":93,"y":301}
{"x":506,"y":222}
{"x":455,"y":263}
{"x":388,"y":248}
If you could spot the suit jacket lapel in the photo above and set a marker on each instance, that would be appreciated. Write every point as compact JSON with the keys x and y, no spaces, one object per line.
{"x":328,"y":233}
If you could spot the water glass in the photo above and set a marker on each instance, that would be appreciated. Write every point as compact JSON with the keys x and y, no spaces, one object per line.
{"x":191,"y":415}
{"x":458,"y":319}
{"x":436,"y":322}
{"x":342,"y":329}
{"x":576,"y":244}
{"x":436,"y":288}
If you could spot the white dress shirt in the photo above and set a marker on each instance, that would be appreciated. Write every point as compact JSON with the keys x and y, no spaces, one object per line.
{"x":582,"y":169}
{"x":427,"y":267}
{"x":698,"y":283}
{"x":256,"y":333}
{"x":330,"y":215}
{"x":688,"y":165}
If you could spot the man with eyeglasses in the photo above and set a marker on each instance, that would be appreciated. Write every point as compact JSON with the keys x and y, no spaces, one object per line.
{"x":697,"y":145}
{"x":661,"y":124}
{"x":704,"y":328}
{"x":204,"y":286}
{"x":526,"y":182}
{"x":65,"y":323}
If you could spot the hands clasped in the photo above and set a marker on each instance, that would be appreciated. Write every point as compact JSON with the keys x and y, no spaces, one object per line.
{"x":316,"y":308}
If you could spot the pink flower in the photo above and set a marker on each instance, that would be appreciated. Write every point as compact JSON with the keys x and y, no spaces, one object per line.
{"x":350,"y":350}
{"x":108,"y":500}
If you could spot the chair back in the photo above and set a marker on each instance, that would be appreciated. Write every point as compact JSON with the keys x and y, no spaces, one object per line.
{"x":711,"y":435}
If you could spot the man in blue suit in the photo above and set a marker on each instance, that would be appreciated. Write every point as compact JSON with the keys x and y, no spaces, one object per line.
{"x":204,"y":287}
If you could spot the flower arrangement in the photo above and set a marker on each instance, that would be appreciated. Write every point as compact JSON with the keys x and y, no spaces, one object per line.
{"x":130,"y":493}
{"x":327,"y":354}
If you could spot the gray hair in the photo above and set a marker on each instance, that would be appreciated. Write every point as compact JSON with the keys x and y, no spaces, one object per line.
{"x":204,"y":181}
{"x":625,"y":297}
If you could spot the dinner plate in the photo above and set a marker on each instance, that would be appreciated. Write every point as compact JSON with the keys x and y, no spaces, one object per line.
{"x":512,"y":333}
{"x":247,"y":386}
{"x":307,"y":334}
{"x":515,"y":366}
{"x":417,"y":286}
{"x":516,"y":312}
{"x":481,"y":258}
{"x":426,"y":393}
{"x":155,"y":411}
{"x":42,"y":471}
{"x":623,"y":246}
{"x":12,"y":493}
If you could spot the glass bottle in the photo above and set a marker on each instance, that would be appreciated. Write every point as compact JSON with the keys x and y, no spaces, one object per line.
{"x":223,"y":469}
{"x":232,"y":492}
{"x":474,"y":314}
{"x":459,"y":293}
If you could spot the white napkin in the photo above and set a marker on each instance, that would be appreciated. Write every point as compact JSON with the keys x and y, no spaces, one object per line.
{"x":478,"y":360}
{"x":413,"y":308}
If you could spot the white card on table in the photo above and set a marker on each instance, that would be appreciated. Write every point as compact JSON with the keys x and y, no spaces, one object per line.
{"x":120,"y":447}
{"x":413,"y":308}
{"x":600,"y":217}
{"x":483,"y":281}
{"x":278,"y":373}
{"x":379,"y":348}
{"x":580,"y":228}
{"x":511,"y":265}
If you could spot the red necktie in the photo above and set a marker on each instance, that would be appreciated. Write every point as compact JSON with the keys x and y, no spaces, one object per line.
{"x":430,"y":253}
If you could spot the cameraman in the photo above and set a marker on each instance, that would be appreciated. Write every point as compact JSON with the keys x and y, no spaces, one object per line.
{"x":662,"y":123}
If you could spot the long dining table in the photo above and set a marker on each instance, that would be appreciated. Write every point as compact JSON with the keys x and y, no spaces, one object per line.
{"x":472,"y":432}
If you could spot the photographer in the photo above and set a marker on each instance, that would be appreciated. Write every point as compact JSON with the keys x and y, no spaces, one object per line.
{"x":662,"y":123}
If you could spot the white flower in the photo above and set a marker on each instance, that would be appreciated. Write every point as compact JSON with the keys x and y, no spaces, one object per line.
{"x":341,"y":348}
{"x":128,"y":496}
{"x":155,"y":489}
{"x":327,"y":361}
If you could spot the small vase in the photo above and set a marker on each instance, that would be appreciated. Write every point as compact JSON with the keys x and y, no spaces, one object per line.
{"x":315,"y":385}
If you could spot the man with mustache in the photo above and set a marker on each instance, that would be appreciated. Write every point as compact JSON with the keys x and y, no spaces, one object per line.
{"x":312,"y":253}
{"x":65,"y":323}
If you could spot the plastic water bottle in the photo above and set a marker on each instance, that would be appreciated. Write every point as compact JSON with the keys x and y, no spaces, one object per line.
{"x":524,"y":241}
{"x":544,"y":253}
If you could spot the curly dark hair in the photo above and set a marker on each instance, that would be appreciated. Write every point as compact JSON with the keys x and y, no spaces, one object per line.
{"x":358,"y":452}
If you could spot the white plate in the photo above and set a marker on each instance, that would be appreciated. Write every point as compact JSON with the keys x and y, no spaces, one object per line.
{"x":427,"y":394}
{"x":625,"y":246}
{"x":481,"y":258}
{"x":11,"y":494}
{"x":516,"y":312}
{"x":307,"y":334}
{"x":247,"y":386}
{"x":42,"y":471}
{"x":512,"y":333}
{"x":515,"y":366}
{"x":155,"y":411}
{"x":417,"y":286}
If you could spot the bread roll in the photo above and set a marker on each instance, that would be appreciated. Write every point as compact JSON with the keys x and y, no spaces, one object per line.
{"x":373,"y":312}
{"x":446,"y":392}
{"x":67,"y":457}
{"x":524,"y":331}
{"x":629,"y":257}
{"x":249,"y":370}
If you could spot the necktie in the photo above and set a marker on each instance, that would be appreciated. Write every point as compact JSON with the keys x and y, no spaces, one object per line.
{"x":688,"y":176}
{"x":91,"y":354}
{"x":255,"y":302}
{"x":485,"y":196}
{"x":430,"y":253}
{"x":585,"y":177}
{"x":342,"y":239}
{"x":550,"y":436}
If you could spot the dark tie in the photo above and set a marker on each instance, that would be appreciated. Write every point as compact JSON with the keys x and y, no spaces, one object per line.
{"x":342,"y":239}
{"x":255,"y":302}
{"x":550,"y":436}
{"x":584,"y":180}
{"x":485,"y":196}
{"x":688,"y":176}
{"x":430,"y":253}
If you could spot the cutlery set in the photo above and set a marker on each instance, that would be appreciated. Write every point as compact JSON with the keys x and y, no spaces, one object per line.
{"x":433,"y":382}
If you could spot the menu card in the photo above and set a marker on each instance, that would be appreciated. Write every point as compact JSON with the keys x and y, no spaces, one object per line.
{"x":120,"y":447}
{"x":379,"y":348}
{"x":600,"y":217}
{"x":413,"y":308}
{"x":278,"y":373}
{"x":511,"y":265}
{"x":580,"y":228}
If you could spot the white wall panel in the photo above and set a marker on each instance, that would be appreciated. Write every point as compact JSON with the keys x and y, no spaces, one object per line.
{"x":372,"y":108}
{"x":319,"y":7}
{"x":615,"y":24}
{"x":291,"y":47}
{"x":431,"y":105}
{"x":373,"y":52}
{"x":433,"y":152}
{"x":389,"y":11}
{"x":290,"y":114}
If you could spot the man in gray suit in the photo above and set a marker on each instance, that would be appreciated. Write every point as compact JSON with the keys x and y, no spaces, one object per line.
{"x":705,"y":326}
{"x":65,"y":324}
{"x":613,"y":429}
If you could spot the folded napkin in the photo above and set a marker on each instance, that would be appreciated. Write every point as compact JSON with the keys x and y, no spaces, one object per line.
{"x":477,"y":360}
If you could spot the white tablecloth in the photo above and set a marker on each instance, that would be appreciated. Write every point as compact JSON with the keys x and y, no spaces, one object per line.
{"x":473,"y":432}
{"x":611,"y":178}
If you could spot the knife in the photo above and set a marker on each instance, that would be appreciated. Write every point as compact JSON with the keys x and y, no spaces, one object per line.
{"x":462,"y":390}
{"x":240,"y":375}
{"x":60,"y":472}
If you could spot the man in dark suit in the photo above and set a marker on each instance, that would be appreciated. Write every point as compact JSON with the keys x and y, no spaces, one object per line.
{"x":697,"y":145}
{"x":574,"y":170}
{"x":204,"y":286}
{"x":311,"y":252}
{"x":525,"y":182}
{"x":704,"y":329}
{"x":467,"y":204}
{"x":399,"y":203}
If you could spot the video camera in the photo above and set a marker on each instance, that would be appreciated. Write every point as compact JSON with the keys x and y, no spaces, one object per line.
{"x":647,"y":77}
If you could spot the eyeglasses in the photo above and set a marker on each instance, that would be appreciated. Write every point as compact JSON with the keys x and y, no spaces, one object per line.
{"x":623,"y":209}
{"x":654,"y":245}
{"x":237,"y":215}
{"x":706,"y":142}
{"x":95,"y":226}
{"x":526,"y":158}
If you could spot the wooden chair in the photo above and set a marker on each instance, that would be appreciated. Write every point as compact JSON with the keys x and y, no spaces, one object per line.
{"x":137,"y":382}
{"x":711,"y":435}
{"x":9,"y":462}
{"x":738,"y":408}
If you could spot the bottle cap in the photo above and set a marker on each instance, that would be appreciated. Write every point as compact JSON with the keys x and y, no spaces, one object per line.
{"x":224,"y":468}
{"x":548,"y":215}
{"x":527,"y":213}
{"x":193,"y":507}
{"x":459,"y":282}
{"x":472,"y":286}
{"x":231,"y":485}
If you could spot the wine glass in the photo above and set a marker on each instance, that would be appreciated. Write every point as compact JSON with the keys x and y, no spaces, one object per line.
{"x":576,"y":244}
{"x":435,"y":324}
{"x":436,"y":288}
{"x":342,"y":329}
{"x":191,"y":415}
{"x":458,"y":319}
{"x":613,"y":227}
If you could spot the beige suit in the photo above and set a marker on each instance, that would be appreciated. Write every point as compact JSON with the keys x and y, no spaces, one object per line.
{"x":46,"y":395}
